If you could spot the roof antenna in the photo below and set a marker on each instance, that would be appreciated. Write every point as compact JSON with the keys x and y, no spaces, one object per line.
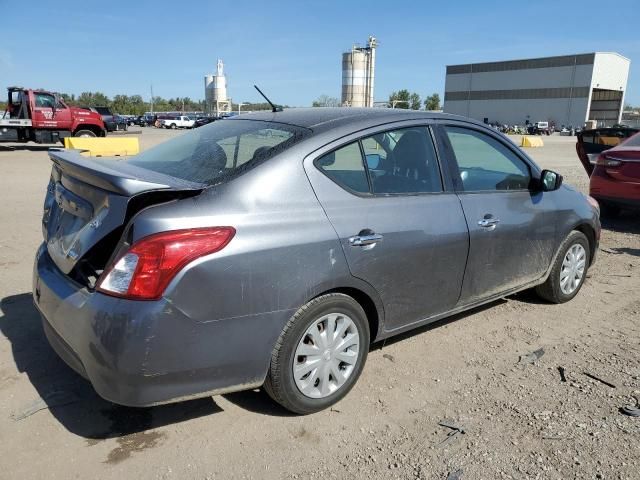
{"x":274,"y":108}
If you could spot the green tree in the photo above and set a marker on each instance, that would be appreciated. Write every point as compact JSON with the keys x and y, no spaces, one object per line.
{"x":326,"y":101}
{"x":432,"y":102}
{"x":400,"y":99}
{"x":93,"y":99}
{"x":414,"y":101}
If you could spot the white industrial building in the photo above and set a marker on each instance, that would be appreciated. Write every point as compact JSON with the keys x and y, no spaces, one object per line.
{"x":566,"y":90}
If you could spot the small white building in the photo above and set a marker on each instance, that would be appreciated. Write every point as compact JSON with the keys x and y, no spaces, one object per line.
{"x":566,"y":90}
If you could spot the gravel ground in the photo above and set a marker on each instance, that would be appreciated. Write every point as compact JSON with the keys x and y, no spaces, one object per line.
{"x":475,"y":372}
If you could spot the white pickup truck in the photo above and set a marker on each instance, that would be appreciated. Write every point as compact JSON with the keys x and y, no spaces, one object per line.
{"x":181,"y":121}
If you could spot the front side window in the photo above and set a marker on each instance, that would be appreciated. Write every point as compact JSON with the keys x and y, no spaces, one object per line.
{"x":45,"y":100}
{"x":220,"y":150}
{"x":485,"y":164}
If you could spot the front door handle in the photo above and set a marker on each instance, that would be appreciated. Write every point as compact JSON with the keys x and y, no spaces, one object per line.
{"x":363,"y":240}
{"x":488,"y":222}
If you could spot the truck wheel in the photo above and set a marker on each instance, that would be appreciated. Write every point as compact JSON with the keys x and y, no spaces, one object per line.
{"x":173,"y":126}
{"x":84,"y":133}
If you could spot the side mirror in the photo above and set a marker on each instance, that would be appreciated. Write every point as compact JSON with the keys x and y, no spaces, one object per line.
{"x":373,"y":161}
{"x":550,"y":181}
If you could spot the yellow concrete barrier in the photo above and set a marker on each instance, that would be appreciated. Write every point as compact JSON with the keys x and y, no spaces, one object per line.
{"x":104,"y":146}
{"x":532,"y":142}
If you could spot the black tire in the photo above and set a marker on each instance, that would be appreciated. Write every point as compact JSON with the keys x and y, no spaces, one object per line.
{"x":84,"y":133}
{"x":280,"y":383}
{"x":550,"y":290}
{"x":609,"y":210}
{"x":173,"y":126}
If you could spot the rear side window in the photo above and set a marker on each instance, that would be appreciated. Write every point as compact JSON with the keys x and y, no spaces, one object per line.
{"x":220,"y":150}
{"x":344,"y":166}
{"x":400,"y":161}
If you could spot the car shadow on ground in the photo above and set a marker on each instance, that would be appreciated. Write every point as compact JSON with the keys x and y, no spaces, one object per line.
{"x":30,"y":148}
{"x":626,"y":222}
{"x":437,"y":324}
{"x":69,"y":397}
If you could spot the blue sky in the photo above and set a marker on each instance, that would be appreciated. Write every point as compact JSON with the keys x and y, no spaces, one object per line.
{"x":291,"y":49}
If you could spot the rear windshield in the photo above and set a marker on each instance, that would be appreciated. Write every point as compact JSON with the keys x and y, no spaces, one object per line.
{"x":633,"y":141}
{"x":103,"y":110}
{"x":220,"y":150}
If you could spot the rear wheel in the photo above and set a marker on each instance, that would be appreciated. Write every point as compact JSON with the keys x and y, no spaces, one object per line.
{"x":84,"y":133}
{"x":569,"y":270}
{"x":319,"y":355}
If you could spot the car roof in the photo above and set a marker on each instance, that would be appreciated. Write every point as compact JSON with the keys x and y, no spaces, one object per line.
{"x":321,"y":119}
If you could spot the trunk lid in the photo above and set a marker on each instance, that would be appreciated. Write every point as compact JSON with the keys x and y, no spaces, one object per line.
{"x":89,"y":200}
{"x":591,"y":143}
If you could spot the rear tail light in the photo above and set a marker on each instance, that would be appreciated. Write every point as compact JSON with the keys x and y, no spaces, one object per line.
{"x":146,"y":269}
{"x":607,"y":161}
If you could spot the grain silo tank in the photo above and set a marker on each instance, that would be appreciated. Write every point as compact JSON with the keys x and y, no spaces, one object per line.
{"x":208,"y":91}
{"x":215,"y":91}
{"x":358,"y":71}
{"x":219,"y":84}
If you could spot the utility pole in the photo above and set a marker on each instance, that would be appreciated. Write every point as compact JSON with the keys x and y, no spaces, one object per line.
{"x":152,"y":99}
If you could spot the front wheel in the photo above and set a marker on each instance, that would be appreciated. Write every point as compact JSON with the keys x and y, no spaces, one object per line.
{"x":319,"y":355}
{"x":569,"y":270}
{"x":84,"y":133}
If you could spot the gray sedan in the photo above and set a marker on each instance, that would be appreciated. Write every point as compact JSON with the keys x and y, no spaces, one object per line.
{"x":272,"y":249}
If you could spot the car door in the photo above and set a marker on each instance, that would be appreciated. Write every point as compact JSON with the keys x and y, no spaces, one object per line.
{"x":511,"y":232}
{"x":48,"y":112}
{"x":401,"y":229}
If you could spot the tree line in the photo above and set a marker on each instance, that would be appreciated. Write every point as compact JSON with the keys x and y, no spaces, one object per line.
{"x":400,"y":99}
{"x":132,"y":104}
{"x":136,"y":105}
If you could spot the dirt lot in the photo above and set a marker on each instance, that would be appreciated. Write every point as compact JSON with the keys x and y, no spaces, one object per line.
{"x":520,"y":420}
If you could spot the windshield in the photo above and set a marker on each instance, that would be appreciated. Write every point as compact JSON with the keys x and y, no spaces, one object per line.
{"x":220,"y":150}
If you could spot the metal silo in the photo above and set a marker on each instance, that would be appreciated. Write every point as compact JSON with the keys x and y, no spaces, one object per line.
{"x":215,"y":87}
{"x":358,"y":72}
{"x":208,"y":92}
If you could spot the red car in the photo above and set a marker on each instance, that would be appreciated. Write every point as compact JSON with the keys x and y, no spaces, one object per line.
{"x":615,"y":175}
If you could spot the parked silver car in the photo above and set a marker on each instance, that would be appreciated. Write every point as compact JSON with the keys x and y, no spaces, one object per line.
{"x":271,"y":249}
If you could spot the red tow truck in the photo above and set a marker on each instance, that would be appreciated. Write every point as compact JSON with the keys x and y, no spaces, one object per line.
{"x":43,"y":117}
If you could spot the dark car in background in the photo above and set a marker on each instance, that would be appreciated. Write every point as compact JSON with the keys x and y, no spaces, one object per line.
{"x":200,"y":121}
{"x":111,"y":121}
{"x":271,"y":249}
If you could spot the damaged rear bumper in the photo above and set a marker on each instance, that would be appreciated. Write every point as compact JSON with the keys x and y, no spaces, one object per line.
{"x":142,"y":353}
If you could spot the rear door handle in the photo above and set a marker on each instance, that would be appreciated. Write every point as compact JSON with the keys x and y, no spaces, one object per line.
{"x":488,"y":222}
{"x":363,"y":240}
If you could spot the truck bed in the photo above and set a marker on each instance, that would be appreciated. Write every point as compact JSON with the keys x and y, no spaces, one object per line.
{"x":15,"y":122}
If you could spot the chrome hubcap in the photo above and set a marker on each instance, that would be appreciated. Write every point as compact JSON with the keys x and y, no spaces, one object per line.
{"x":326,"y":355}
{"x":573,"y":267}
